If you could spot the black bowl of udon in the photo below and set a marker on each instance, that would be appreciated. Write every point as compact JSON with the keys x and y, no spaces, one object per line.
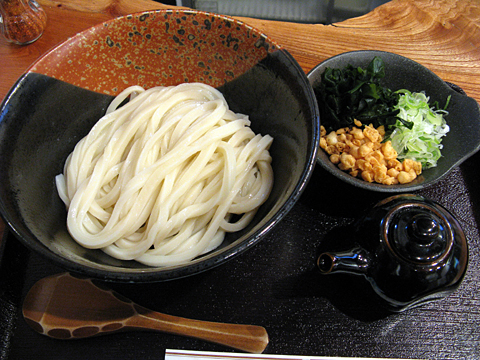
{"x":67,"y":93}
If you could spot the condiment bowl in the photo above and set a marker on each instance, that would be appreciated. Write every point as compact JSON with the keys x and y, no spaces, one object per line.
{"x":57,"y":101}
{"x":461,"y":142}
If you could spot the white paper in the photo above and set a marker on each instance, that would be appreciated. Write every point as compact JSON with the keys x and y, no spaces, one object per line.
{"x":206,"y":355}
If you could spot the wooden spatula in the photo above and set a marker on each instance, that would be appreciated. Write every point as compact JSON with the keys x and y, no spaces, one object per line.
{"x":65,"y":307}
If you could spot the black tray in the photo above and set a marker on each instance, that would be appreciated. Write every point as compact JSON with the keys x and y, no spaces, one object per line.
{"x":276,"y":285}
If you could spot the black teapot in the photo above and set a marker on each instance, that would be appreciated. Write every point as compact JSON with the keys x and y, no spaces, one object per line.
{"x":410,"y":249}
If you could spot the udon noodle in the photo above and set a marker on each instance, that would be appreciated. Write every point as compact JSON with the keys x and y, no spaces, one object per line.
{"x":164,"y":175}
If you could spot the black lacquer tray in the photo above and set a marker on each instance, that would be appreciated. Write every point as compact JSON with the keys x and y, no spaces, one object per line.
{"x":275,"y":284}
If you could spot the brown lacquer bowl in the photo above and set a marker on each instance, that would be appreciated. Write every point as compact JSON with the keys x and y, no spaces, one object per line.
{"x":63,"y":94}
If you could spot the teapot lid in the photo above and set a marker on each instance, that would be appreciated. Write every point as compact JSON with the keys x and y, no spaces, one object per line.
{"x":418,"y":232}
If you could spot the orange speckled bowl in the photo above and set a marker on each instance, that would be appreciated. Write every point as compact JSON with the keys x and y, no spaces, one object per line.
{"x":63,"y":95}
{"x":157,"y":48}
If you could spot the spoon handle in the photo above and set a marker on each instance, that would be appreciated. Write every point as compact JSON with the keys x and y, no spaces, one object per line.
{"x":249,"y":338}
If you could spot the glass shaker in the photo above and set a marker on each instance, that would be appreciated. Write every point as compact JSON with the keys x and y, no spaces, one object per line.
{"x":22,"y":21}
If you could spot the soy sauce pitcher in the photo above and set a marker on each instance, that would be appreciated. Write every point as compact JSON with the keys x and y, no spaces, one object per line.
{"x":409,"y":248}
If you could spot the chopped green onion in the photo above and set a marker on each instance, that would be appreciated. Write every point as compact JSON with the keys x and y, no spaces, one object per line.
{"x":419,"y":130}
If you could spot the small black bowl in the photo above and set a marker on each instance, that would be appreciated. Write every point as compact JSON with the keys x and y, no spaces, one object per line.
{"x":461,"y":142}
{"x":52,"y":107}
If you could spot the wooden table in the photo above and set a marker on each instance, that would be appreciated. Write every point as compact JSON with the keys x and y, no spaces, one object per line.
{"x":444,"y":36}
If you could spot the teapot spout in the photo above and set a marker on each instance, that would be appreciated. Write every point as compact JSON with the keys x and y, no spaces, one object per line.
{"x":354,"y":261}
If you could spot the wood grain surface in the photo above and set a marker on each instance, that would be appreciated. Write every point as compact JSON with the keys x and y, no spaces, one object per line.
{"x":443,"y":35}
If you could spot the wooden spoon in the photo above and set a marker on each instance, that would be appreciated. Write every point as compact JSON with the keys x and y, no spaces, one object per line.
{"x":64,"y":307}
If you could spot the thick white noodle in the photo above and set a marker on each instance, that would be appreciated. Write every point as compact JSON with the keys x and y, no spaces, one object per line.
{"x":159,"y":179}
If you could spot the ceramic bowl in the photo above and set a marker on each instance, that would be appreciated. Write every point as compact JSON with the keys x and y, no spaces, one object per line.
{"x":56,"y":102}
{"x":463,"y":139}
